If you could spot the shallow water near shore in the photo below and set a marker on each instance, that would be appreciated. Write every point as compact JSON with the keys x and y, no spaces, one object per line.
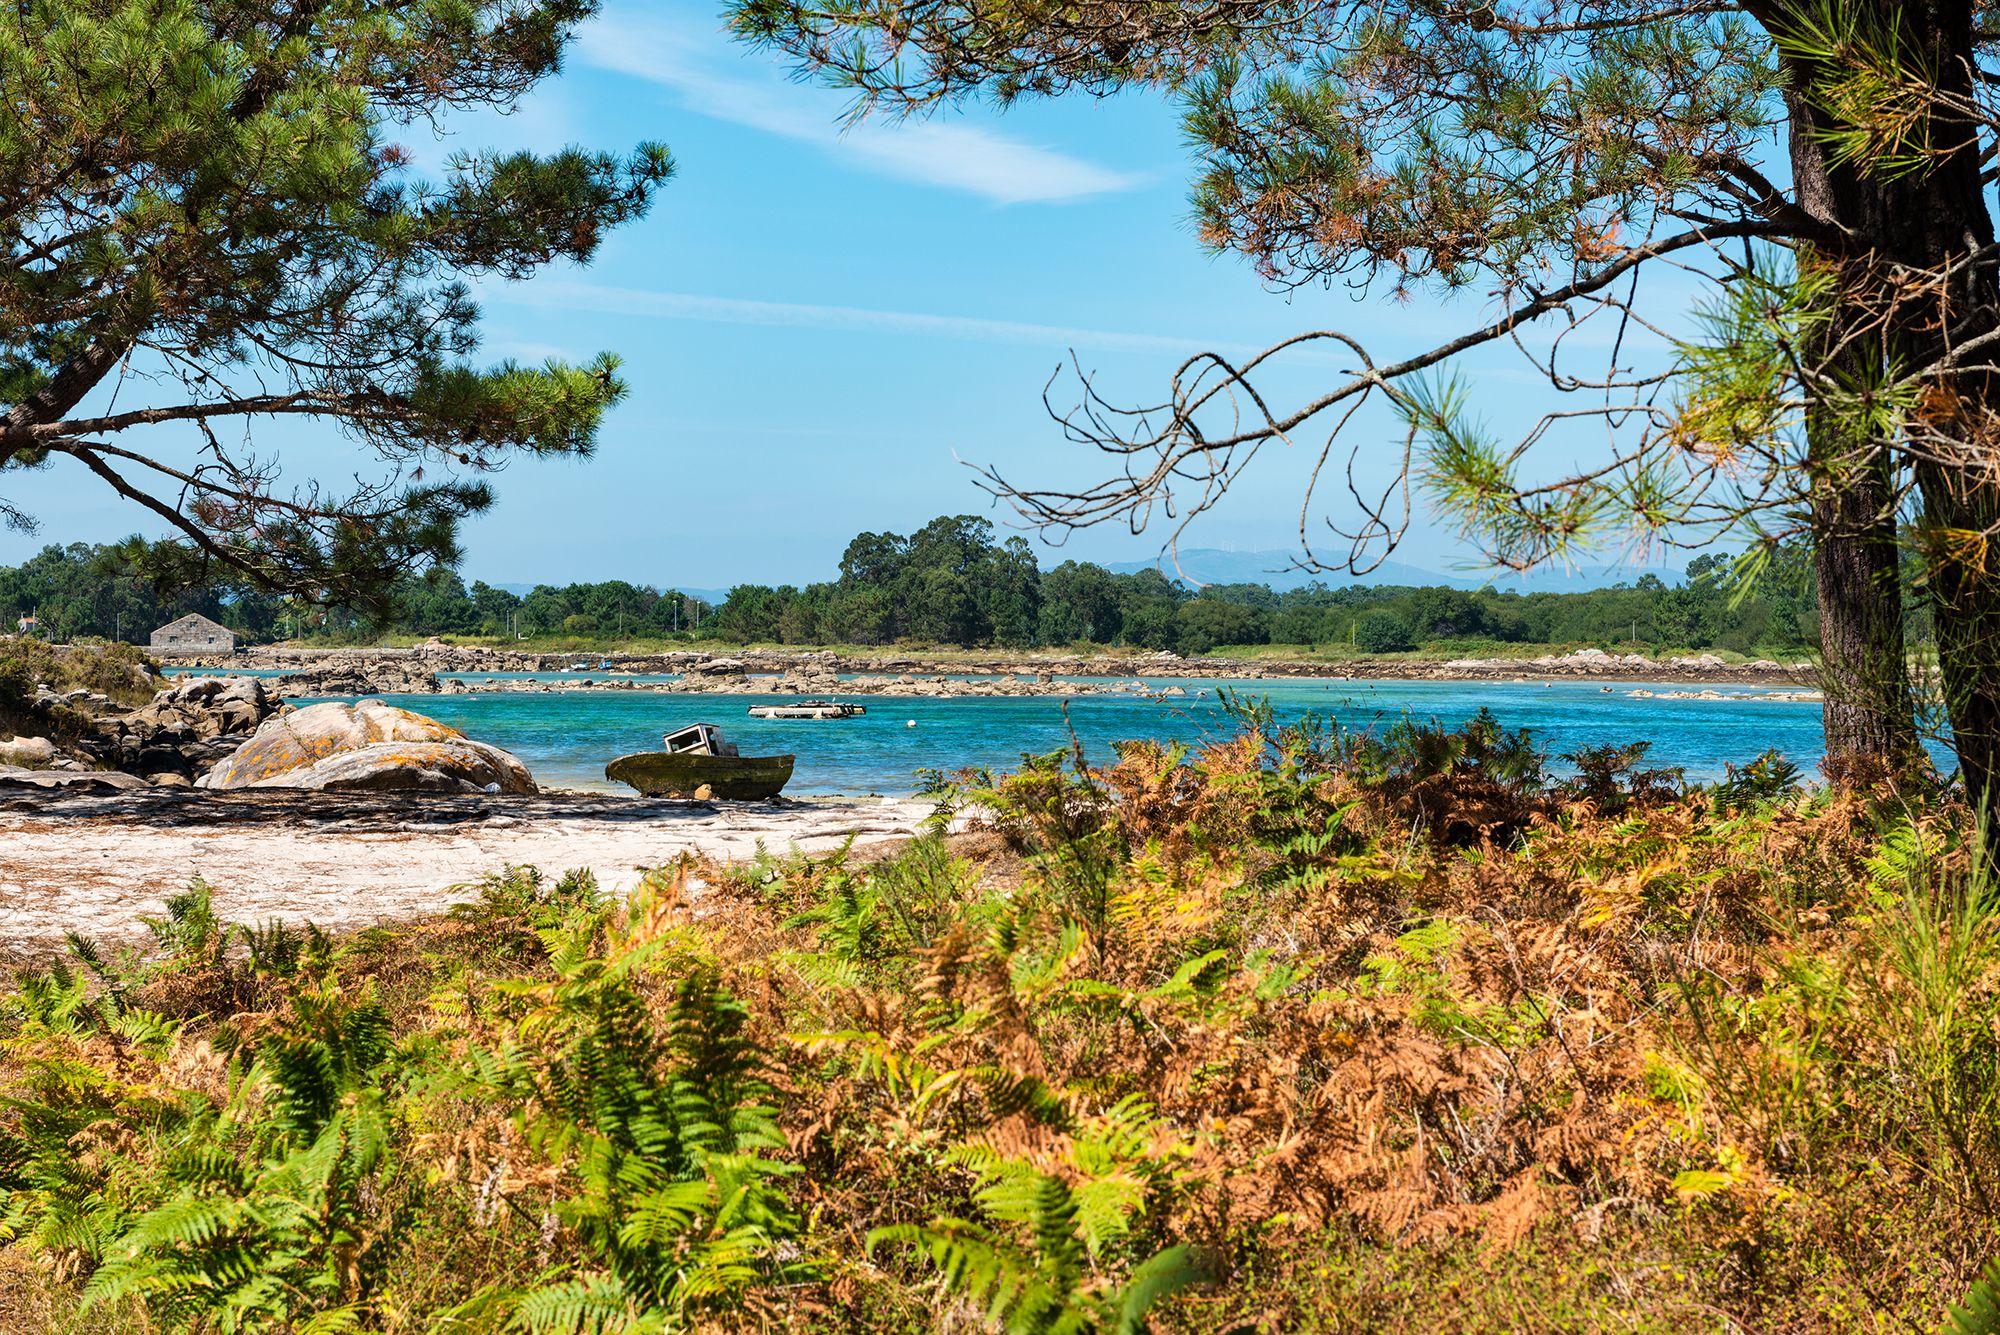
{"x":566,"y":737}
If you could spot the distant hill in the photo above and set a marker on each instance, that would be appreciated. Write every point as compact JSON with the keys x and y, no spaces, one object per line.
{"x":1209,"y":565}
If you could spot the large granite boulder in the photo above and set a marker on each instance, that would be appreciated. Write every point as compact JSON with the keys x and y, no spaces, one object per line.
{"x":27,"y":752}
{"x":369,"y":747}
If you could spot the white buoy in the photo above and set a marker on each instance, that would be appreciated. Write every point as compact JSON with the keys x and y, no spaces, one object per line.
{"x":911,"y":724}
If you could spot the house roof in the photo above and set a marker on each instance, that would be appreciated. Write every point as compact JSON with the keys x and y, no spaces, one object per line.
{"x":194,"y":621}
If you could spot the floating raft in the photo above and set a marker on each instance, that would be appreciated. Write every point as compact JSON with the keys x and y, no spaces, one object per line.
{"x":808,"y":709}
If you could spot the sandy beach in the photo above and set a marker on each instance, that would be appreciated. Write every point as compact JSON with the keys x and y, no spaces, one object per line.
{"x":343,"y":860}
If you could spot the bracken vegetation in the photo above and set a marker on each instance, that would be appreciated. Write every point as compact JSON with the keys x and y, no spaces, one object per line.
{"x":1303,"y":1030}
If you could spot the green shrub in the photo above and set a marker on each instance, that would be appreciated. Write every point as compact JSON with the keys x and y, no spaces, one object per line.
{"x":120,"y":671}
{"x":1380,"y":632}
{"x":17,"y":684}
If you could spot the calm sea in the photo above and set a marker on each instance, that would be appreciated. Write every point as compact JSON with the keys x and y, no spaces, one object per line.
{"x":565,"y":738}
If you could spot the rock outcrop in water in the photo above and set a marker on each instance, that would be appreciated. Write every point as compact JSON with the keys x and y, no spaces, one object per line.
{"x":368,"y":747}
{"x":362,"y":676}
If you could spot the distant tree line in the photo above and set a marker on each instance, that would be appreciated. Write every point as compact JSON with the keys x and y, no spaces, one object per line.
{"x":953,"y":582}
{"x":80,"y":590}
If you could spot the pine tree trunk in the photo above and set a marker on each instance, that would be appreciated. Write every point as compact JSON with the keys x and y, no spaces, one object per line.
{"x":1965,"y":596}
{"x":1915,"y":221}
{"x":1869,"y":716}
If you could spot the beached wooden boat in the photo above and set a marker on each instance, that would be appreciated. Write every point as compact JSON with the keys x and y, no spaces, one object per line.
{"x":808,"y":709}
{"x":732,"y":778}
{"x":698,"y":763}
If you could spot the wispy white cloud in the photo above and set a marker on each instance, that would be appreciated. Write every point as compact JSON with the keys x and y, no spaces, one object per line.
{"x":608,"y":300}
{"x":971,"y":158}
{"x":529,"y":351}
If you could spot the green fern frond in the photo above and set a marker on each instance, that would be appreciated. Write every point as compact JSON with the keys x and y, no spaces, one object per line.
{"x":335,"y":1320}
{"x":1979,"y":1312}
{"x":987,"y":1274}
{"x":1163,"y":1275}
{"x":1898,"y":863}
{"x":580,"y":1307}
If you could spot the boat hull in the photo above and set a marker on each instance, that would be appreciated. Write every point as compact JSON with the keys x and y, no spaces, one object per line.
{"x":732,"y":778}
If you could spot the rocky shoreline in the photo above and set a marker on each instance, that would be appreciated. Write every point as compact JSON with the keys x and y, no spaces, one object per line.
{"x":436,"y":668}
{"x":186,"y":735}
{"x":91,"y":744}
{"x":225,"y":733}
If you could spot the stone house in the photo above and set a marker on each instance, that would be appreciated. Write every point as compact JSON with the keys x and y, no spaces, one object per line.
{"x":194,"y":634}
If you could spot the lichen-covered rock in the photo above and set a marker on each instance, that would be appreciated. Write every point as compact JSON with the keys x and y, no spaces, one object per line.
{"x":369,"y":747}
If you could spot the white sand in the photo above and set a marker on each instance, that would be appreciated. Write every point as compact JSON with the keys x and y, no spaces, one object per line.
{"x":96,"y":867}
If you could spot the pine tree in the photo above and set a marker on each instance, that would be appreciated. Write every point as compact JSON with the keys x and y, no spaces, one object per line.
{"x":210,"y":221}
{"x":1561,"y":158}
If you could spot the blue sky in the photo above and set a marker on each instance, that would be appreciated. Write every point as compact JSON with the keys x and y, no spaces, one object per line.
{"x":819,"y":324}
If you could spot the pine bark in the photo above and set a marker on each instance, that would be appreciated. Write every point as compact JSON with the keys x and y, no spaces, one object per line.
{"x":1916,"y":222}
{"x":1965,"y":597}
{"x":1869,"y":714}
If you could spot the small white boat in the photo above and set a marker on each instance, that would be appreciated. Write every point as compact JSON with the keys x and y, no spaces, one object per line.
{"x":808,"y":709}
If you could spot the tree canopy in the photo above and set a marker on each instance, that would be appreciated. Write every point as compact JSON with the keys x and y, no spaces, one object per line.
{"x":210,"y":217}
{"x":1815,"y":167}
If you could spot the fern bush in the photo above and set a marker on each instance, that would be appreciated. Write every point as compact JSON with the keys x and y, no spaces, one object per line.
{"x":1293,"y":1029}
{"x":267,"y":1213}
{"x":1036,"y":1281}
{"x":648,"y":1088}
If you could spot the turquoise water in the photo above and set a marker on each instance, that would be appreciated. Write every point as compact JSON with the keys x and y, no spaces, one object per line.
{"x":566,"y":737}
